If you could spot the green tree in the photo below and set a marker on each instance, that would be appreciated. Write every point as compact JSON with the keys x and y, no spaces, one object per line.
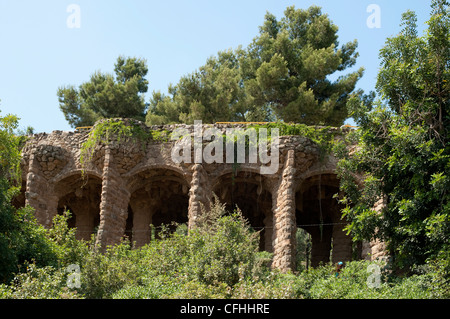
{"x":106,"y":95}
{"x":403,"y":150}
{"x":287,"y":67}
{"x":21,"y":238}
{"x":281,"y":75}
{"x":214,"y":93}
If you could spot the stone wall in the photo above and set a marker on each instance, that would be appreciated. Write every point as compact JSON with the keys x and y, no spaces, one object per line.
{"x":126,"y":186}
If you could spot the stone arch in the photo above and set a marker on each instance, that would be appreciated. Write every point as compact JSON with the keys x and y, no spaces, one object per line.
{"x":75,"y":172}
{"x":318,"y":212}
{"x":81,"y":194}
{"x":159,"y":195}
{"x":247,"y":190}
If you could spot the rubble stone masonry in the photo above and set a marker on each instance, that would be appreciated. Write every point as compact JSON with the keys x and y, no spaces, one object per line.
{"x":126,"y":187}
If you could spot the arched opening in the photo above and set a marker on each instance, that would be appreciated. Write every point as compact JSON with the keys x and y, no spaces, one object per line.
{"x":81,"y":196}
{"x":319,"y":214}
{"x":19,"y":201}
{"x":158,"y":197}
{"x":245,"y":190}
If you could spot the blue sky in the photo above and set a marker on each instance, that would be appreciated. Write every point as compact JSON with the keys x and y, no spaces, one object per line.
{"x":39,"y":52}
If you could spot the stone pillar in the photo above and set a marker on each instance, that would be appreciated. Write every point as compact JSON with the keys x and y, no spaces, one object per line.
{"x":342,"y":244}
{"x":114,"y":204}
{"x":198,"y":194}
{"x":375,"y":249}
{"x":142,"y":218}
{"x":284,"y":224}
{"x":39,"y":194}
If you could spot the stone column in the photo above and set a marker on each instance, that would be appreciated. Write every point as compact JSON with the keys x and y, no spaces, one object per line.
{"x":114,"y":204}
{"x":39,"y":194}
{"x":283,"y":206}
{"x":342,"y":244}
{"x":142,"y":218}
{"x":198,"y":194}
{"x":376,"y":249}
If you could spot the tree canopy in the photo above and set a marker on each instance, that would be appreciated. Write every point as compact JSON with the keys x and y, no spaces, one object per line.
{"x":403,"y":149}
{"x":107,"y":95}
{"x":282,"y":75}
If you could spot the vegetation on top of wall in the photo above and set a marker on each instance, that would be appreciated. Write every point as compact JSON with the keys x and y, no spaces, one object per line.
{"x":119,"y":131}
{"x":323,"y":136}
{"x":108,"y":131}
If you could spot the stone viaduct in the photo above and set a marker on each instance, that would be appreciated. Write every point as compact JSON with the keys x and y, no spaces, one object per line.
{"x":125,"y":187}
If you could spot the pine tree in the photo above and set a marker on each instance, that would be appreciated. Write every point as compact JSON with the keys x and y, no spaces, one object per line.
{"x":281,"y":75}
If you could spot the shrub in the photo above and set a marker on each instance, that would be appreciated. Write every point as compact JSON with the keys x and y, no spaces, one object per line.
{"x":39,"y":283}
{"x":352,"y":284}
{"x":219,"y":258}
{"x":274,"y":285}
{"x":103,"y":274}
{"x":68,"y":249}
{"x":22,"y":240}
{"x":197,"y":290}
{"x":153,"y":287}
{"x":222,"y":248}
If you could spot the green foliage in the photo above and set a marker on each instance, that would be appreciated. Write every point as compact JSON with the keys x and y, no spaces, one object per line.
{"x":103,"y":274}
{"x":403,"y":148}
{"x":39,"y":283}
{"x":222,"y":248}
{"x":153,"y":287}
{"x":352,"y":284}
{"x":437,"y":272}
{"x":106,"y":96}
{"x":21,"y":238}
{"x":9,"y":148}
{"x":118,"y":130}
{"x":67,"y":248}
{"x":324,"y":137}
{"x":281,"y":75}
{"x":218,"y":259}
{"x":24,"y":244}
{"x":304,"y":246}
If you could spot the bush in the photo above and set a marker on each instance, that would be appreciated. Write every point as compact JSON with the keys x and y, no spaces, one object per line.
{"x":67,"y":248}
{"x":274,"y":285}
{"x":153,"y":287}
{"x":352,"y":284}
{"x":39,"y":283}
{"x":219,"y":258}
{"x":220,"y":249}
{"x":22,"y":240}
{"x":218,"y":253}
{"x":103,"y":274}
